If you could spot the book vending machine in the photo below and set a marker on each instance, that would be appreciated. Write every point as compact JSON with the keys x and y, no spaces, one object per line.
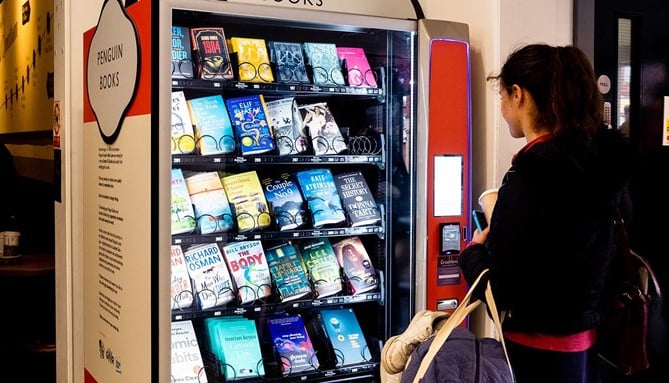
{"x":253,"y":171}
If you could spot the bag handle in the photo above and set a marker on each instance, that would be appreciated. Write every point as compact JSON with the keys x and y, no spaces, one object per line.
{"x":458,"y":316}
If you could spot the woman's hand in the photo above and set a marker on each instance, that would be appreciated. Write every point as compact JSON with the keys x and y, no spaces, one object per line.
{"x":481,"y":236}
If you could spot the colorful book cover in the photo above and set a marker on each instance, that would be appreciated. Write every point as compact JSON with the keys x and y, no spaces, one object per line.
{"x":248,"y":266}
{"x":246,"y":195}
{"x":181,"y":207}
{"x":319,"y":189}
{"x":253,"y":59}
{"x":324,"y":63}
{"x":187,"y":365}
{"x":235,"y":343}
{"x":321,"y":263}
{"x":215,"y":134}
{"x":345,"y":335}
{"x":182,"y":61}
{"x":251,"y":121}
{"x":357,"y":199}
{"x":211,"y":52}
{"x":289,"y":61}
{"x":210,"y":275}
{"x":291,"y":341}
{"x":181,"y":289}
{"x":285,"y":201}
{"x":286,"y":120}
{"x":212,"y":209}
{"x":288,"y":272}
{"x":183,"y":135}
{"x":326,"y":138}
{"x":356,"y":66}
{"x":359,"y":273}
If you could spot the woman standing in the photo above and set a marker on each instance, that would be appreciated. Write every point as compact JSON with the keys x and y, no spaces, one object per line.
{"x":547,"y":246}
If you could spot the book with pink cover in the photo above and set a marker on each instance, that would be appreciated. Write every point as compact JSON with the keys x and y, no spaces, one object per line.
{"x":357,"y":67}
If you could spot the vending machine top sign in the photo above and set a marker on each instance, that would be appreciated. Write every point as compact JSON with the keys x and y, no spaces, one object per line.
{"x":384,"y":8}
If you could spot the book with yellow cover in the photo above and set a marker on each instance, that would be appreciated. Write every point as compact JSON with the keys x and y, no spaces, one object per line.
{"x":253,"y":59}
{"x":248,"y":199}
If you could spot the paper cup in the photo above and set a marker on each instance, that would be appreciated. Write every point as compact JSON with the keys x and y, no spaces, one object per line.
{"x":11,"y":243}
{"x":487,"y":201}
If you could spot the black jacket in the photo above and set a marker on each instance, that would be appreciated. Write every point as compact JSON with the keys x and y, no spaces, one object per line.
{"x":549,"y":244}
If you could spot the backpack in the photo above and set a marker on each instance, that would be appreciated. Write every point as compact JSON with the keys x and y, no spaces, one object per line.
{"x":623,"y":332}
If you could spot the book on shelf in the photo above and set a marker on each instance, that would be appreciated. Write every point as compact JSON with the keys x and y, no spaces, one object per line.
{"x":187,"y":364}
{"x":326,"y":138}
{"x":254,"y":64}
{"x":181,"y":288}
{"x":250,"y":119}
{"x":356,"y":66}
{"x":213,"y":127}
{"x":321,"y":263}
{"x":212,"y":209}
{"x":291,"y":341}
{"x":183,"y":134}
{"x":345,"y":336}
{"x":181,"y":208}
{"x":211,"y":53}
{"x":285,"y":200}
{"x":359,"y":273}
{"x":235,"y":344}
{"x":288,"y":272}
{"x":319,"y":190}
{"x":210,"y":275}
{"x":357,"y":199}
{"x":182,"y":60}
{"x":248,"y":265}
{"x":246,"y":196}
{"x":324,"y":63}
{"x":286,"y":119}
{"x":289,"y":61}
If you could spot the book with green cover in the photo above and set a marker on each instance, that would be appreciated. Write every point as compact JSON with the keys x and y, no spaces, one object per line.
{"x":234,"y":342}
{"x":288,"y":272}
{"x":324,"y":63}
{"x":181,"y":206}
{"x":321,"y":262}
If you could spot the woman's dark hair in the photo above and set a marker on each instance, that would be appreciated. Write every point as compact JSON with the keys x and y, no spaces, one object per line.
{"x":562,"y":83}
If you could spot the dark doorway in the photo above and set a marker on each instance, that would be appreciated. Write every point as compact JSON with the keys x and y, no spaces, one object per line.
{"x":629,"y":43}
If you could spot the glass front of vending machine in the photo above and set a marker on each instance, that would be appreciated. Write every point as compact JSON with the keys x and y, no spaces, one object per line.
{"x":292,"y":194}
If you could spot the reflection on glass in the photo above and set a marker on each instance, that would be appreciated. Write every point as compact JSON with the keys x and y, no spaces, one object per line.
{"x":624,"y":74}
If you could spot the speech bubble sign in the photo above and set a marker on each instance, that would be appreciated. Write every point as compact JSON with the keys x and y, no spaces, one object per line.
{"x":113,"y":69}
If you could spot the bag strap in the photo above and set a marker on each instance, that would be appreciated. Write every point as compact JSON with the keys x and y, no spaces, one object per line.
{"x":458,"y":316}
{"x":651,"y":273}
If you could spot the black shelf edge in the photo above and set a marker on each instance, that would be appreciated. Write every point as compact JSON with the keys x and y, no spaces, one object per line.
{"x":346,"y":159}
{"x":279,"y":88}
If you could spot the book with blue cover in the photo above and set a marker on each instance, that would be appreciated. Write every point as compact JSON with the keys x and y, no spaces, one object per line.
{"x":210,"y":203}
{"x":214,"y":131}
{"x":182,"y":62}
{"x":248,"y":265}
{"x":319,"y":189}
{"x":345,"y":335}
{"x":321,"y":263}
{"x":285,"y":200}
{"x":288,"y":272}
{"x":324,"y":63}
{"x":250,"y":119}
{"x":291,"y":341}
{"x":289,"y":61}
{"x":210,"y":275}
{"x":235,"y":343}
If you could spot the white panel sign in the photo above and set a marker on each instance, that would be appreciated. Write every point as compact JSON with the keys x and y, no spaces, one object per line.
{"x":665,"y":120}
{"x":383,"y":8}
